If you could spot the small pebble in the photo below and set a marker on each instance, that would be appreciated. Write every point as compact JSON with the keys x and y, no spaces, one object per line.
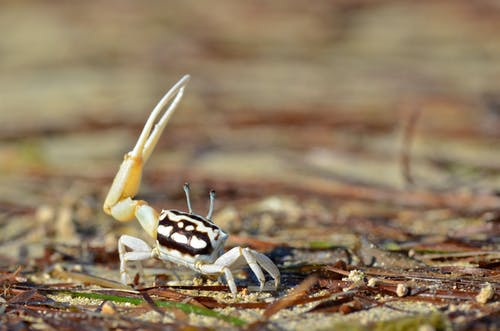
{"x":485,"y":294}
{"x":401,"y":290}
{"x":372,"y":282}
{"x":108,"y":308}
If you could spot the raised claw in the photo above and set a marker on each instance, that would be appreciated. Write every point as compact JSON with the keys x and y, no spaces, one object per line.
{"x":128,"y":178}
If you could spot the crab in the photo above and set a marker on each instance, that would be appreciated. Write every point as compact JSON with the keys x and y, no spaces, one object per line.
{"x":184,"y":238}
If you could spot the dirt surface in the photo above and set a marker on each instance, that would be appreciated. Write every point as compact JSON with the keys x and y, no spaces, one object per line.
{"x":355,"y":143}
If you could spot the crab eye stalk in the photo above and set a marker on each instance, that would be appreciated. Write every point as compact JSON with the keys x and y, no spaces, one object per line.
{"x":188,"y":199}
{"x":211,"y":206}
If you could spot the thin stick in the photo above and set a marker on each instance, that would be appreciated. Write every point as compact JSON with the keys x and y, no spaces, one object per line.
{"x":408,"y":135}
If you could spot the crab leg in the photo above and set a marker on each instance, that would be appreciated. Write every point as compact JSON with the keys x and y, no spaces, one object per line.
{"x":119,"y":202}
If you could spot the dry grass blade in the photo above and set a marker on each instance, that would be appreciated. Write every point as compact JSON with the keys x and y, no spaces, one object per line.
{"x":260,"y":245}
{"x":344,"y":305}
{"x":337,"y":270}
{"x":408,"y":134}
{"x":85,"y":278}
{"x":10,"y":277}
{"x":151,"y":303}
{"x":291,"y":298}
{"x":166,"y":293}
{"x":30,"y":297}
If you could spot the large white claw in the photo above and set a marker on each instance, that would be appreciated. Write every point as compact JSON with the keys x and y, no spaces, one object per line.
{"x":119,"y":201}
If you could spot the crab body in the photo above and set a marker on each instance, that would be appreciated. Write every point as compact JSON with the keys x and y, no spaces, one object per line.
{"x":188,"y":238}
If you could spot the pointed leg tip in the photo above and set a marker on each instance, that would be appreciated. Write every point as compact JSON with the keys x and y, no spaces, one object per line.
{"x":125,"y":279}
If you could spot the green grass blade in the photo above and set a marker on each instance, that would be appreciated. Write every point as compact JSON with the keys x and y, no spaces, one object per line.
{"x":185,"y":307}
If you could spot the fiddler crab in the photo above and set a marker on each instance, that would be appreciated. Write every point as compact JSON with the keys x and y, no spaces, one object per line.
{"x":184,"y":238}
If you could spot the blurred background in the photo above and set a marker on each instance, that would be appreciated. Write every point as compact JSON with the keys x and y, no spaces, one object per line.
{"x":319,"y":124}
{"x":282,"y":92}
